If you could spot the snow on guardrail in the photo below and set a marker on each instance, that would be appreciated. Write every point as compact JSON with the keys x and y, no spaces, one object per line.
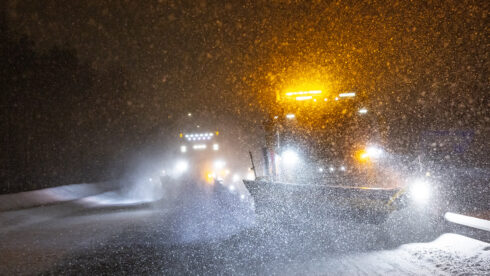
{"x":472,"y":222}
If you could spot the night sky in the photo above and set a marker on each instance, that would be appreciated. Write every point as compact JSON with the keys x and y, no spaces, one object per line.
{"x":228,"y":54}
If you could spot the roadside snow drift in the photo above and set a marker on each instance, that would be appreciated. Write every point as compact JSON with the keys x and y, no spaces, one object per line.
{"x":52,"y":195}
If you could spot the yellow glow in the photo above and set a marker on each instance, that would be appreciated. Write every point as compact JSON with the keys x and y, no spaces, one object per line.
{"x":362,"y":156}
{"x":180,"y":135}
{"x":347,"y":95}
{"x":303,"y":85}
{"x":302,"y":95}
{"x":312,"y":92}
{"x":370,"y":153}
{"x":304,"y":98}
{"x":303,"y":80}
{"x":210,"y":177}
{"x":216,"y":174}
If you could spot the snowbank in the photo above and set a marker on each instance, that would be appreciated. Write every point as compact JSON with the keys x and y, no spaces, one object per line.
{"x":52,"y":195}
{"x":449,"y":254}
{"x":454,"y":254}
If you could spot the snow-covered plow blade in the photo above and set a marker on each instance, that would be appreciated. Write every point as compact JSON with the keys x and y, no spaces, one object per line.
{"x":301,"y":201}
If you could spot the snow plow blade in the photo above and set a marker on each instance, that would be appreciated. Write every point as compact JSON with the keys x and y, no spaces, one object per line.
{"x":299,"y":201}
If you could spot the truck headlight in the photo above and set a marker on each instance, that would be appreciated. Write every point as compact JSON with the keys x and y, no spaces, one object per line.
{"x":420,"y":191}
{"x":181,"y":166}
{"x":290,"y":157}
{"x":370,"y":154}
{"x":219,"y":164}
{"x":250,"y":175}
{"x":374,"y":152}
{"x":183,"y":149}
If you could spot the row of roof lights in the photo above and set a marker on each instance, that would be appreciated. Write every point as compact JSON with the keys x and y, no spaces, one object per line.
{"x":346,"y":95}
{"x":198,"y":147}
{"x":199,"y":135}
{"x":292,"y":116}
{"x":198,"y":138}
{"x":304,"y":92}
{"x":304,"y":95}
{"x":183,"y":148}
{"x":332,"y":169}
{"x":341,"y":95}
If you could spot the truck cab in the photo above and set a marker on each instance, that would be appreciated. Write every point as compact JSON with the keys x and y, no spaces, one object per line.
{"x":335,"y":139}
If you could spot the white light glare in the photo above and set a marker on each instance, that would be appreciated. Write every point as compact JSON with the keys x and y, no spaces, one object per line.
{"x":320,"y":169}
{"x":363,"y":111}
{"x":374,"y":152}
{"x":290,"y":116}
{"x":235,"y":178}
{"x":199,"y":136}
{"x":349,"y":94}
{"x":304,"y":98}
{"x":342,"y":168}
{"x":215,"y":147}
{"x":181,"y":166}
{"x":199,"y":147}
{"x":183,"y":149}
{"x":290,"y":157}
{"x":304,"y":92}
{"x":219,"y":164}
{"x":420,"y":191}
{"x":250,"y":175}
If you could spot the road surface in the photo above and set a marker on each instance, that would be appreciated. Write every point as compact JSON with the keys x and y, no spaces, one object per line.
{"x":205,"y":232}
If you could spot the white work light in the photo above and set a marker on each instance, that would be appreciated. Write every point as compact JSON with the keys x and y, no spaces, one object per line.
{"x":290,"y":158}
{"x":219,"y":164}
{"x":420,"y":191}
{"x":181,"y":166}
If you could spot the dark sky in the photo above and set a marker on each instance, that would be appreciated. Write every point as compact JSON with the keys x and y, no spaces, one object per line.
{"x":415,"y":58}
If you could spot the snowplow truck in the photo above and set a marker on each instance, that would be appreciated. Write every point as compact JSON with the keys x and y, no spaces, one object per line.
{"x":325,"y":154}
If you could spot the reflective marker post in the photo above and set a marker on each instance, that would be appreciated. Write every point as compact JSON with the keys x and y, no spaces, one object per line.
{"x":253,"y":165}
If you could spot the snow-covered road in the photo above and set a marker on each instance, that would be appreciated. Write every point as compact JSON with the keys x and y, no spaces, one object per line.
{"x":216,"y":233}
